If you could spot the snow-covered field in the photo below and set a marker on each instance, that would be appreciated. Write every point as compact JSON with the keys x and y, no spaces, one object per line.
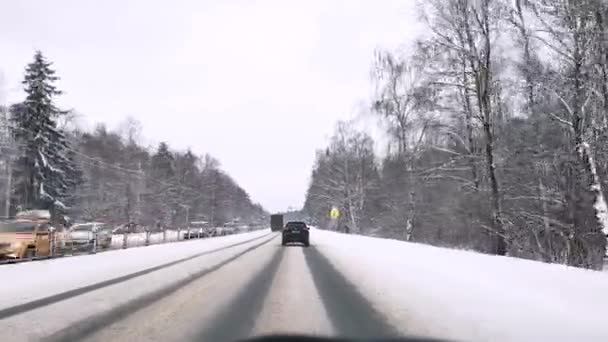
{"x":34,"y":280}
{"x":467,"y":296}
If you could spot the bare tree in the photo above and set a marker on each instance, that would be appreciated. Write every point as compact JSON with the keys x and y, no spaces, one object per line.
{"x":130,"y":129}
{"x":344,"y":176}
{"x":573,"y":33}
{"x":406,"y":102}
{"x":468,"y":29}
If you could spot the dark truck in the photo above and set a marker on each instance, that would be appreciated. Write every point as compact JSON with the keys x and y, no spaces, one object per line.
{"x":276,"y":222}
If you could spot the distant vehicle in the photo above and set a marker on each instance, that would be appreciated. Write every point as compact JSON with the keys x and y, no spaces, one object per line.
{"x":242,"y":228}
{"x":27,"y":236}
{"x":296,"y":231}
{"x":183,"y":234}
{"x":229,"y":228}
{"x":202,"y":228}
{"x":276,"y":222}
{"x":81,"y":236}
{"x":123,"y":229}
{"x":128,"y":228}
{"x":194,"y":232}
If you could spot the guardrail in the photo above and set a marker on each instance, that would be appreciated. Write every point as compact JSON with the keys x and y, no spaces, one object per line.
{"x":64,"y":247}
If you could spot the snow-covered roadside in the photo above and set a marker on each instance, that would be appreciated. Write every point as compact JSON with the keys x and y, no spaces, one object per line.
{"x":25,"y":282}
{"x":467,"y":296}
{"x":108,"y":303}
{"x":139,"y":239}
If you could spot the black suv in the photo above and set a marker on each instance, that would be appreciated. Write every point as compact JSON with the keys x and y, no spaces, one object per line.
{"x":296,"y":232}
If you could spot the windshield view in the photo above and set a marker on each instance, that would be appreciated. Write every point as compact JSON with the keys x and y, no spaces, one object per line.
{"x":306,"y":170}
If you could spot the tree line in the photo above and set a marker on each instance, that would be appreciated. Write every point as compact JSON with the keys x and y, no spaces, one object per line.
{"x":104,"y":175}
{"x":497,"y":120}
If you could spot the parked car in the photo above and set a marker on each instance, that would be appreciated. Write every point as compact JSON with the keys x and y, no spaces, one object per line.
{"x":128,"y":228}
{"x":82,"y":236}
{"x":201,"y":229}
{"x":194,"y":233}
{"x":27,"y":236}
{"x":229,"y":228}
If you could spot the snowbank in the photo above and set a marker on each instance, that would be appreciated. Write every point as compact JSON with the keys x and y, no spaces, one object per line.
{"x":139,"y":239}
{"x":467,"y":296}
{"x":34,"y":280}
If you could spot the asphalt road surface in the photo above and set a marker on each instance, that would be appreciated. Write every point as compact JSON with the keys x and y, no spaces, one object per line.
{"x":256,"y":289}
{"x":235,"y":287}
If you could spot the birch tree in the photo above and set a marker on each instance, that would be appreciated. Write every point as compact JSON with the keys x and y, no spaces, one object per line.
{"x":469,"y":29}
{"x":405,"y":101}
{"x":573,"y":33}
{"x":344,"y":176}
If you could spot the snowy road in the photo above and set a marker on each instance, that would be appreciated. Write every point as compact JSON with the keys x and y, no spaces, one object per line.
{"x":230,"y":288}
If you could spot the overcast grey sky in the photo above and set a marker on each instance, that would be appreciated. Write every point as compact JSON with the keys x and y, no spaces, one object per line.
{"x":258,"y":84}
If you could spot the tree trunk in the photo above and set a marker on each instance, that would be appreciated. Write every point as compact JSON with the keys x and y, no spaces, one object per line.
{"x":501,"y":244}
{"x":543,"y":203}
{"x":527,"y":70}
{"x":482,"y":68}
{"x":128,"y":204}
{"x":349,"y":197}
{"x":409,"y":225}
{"x":600,"y":206}
{"x":469,"y":126}
{"x":603,"y":62}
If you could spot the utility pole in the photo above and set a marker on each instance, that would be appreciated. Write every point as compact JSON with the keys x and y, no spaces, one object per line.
{"x":187,"y":207}
{"x":213,"y":205}
{"x":7,"y":148}
{"x":128,"y":198}
{"x":140,"y":184}
{"x":135,"y":185}
{"x":9,"y":185}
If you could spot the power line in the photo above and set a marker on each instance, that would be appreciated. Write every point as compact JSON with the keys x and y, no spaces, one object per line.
{"x":97,"y":162}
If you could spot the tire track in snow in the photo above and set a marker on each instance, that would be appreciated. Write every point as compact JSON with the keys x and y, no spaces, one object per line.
{"x":351,"y":313}
{"x":239,"y":319}
{"x":293,"y":306}
{"x":88,"y":326}
{"x":38,"y":303}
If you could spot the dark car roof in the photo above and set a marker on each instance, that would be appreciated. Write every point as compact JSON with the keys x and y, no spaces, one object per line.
{"x":296,"y":223}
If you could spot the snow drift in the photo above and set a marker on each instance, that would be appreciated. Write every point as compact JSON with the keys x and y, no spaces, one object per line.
{"x":467,"y":296}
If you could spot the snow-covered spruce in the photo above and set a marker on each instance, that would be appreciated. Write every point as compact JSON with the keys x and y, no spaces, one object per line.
{"x":44,"y":173}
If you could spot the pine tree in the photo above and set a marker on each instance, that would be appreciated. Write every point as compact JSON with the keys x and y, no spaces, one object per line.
{"x":44,"y":170}
{"x":163,"y":163}
{"x":164,"y":183}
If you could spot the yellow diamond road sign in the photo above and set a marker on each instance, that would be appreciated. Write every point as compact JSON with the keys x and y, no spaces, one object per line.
{"x":334,"y":213}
